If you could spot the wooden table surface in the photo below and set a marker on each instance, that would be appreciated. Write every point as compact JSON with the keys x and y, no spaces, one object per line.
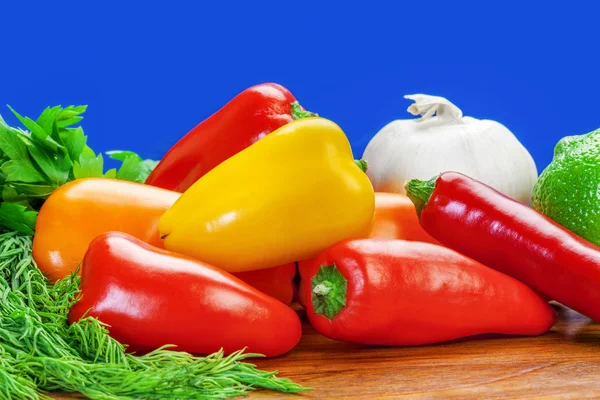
{"x":564,"y":364}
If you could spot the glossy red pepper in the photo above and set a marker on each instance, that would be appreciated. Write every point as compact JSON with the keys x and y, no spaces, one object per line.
{"x":395,"y":292}
{"x":151,"y":297}
{"x":245,"y":119}
{"x":277,"y":282}
{"x":395,"y":218}
{"x":479,"y":222}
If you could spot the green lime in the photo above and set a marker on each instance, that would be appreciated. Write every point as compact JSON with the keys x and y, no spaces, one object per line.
{"x":568,"y":190}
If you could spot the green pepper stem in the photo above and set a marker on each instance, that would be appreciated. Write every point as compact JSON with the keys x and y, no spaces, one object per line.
{"x":299,"y":113}
{"x":323,"y":289}
{"x":362,"y":164}
{"x":329,"y":288}
{"x":419,"y":192}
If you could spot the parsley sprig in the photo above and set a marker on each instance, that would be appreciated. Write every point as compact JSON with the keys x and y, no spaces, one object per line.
{"x":49,"y":152}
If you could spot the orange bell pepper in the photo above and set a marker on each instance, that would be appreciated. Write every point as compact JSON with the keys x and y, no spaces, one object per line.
{"x":396,"y":218}
{"x":82,"y":209}
{"x":79,"y":211}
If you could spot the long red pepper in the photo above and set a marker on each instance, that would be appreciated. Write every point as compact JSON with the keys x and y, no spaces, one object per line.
{"x":245,"y":119}
{"x":481,"y":223}
{"x":396,"y":292}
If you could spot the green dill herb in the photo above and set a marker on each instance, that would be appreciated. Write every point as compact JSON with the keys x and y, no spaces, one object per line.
{"x":41,"y":352}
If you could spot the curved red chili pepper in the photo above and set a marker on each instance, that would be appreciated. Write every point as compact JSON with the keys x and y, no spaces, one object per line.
{"x":480,"y":222}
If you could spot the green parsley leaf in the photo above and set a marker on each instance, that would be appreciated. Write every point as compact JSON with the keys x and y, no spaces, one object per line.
{"x":70,"y":112}
{"x":74,"y":140}
{"x":147,"y":167}
{"x":21,"y":171}
{"x":55,"y":168}
{"x":17,"y":217}
{"x":9,"y":194}
{"x":130,"y":169}
{"x":47,"y":120}
{"x":68,"y":122}
{"x":12,"y":144}
{"x":35,"y":190}
{"x":37,"y":132}
{"x":89,"y":165}
{"x":111,"y":173}
{"x":121,"y":155}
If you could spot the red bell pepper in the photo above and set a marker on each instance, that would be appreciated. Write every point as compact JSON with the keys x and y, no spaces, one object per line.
{"x":395,"y":292}
{"x":395,"y":219}
{"x":277,"y":282}
{"x":249,"y":116}
{"x":151,"y":297}
{"x":480,"y":222}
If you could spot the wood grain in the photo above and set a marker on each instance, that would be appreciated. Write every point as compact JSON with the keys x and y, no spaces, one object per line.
{"x":564,"y":364}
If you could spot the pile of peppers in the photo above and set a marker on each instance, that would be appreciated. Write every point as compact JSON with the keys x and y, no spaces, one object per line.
{"x":262,"y":205}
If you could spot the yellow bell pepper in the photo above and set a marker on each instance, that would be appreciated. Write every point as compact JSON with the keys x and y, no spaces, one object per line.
{"x":286,"y":198}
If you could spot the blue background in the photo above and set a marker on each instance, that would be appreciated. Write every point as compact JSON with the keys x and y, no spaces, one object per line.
{"x":150,"y":72}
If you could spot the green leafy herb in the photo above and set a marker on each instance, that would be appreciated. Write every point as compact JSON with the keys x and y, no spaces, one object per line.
{"x":41,"y":352}
{"x":147,"y":167}
{"x":111,"y":173}
{"x":134,"y":167}
{"x":12,"y":144}
{"x":17,"y":217}
{"x":37,"y":132}
{"x":50,"y":152}
{"x":121,"y":155}
{"x":55,"y":168}
{"x":89,"y":165}
{"x":130,"y":169}
{"x":47,"y":119}
{"x":21,"y":171}
{"x":75,"y":141}
{"x":31,"y":191}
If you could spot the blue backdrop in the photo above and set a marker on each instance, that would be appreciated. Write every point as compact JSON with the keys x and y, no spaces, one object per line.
{"x":150,"y":72}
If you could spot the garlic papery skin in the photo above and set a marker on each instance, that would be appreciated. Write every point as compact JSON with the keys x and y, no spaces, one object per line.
{"x":441,"y":140}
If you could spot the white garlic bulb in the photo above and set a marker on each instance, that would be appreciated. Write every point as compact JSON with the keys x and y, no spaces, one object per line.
{"x":442,"y":139}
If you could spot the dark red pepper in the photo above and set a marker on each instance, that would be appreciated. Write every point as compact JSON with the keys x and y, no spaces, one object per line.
{"x":481,"y":223}
{"x":245,"y":119}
